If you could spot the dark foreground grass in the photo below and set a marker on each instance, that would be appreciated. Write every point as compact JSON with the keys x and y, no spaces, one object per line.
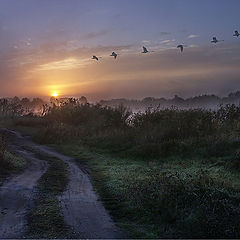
{"x":163,"y":173}
{"x":161,"y":198}
{"x":10,"y":162}
{"x":45,"y":220}
{"x":172,"y":198}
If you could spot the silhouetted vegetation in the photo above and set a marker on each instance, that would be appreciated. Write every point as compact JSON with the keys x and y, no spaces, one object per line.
{"x":175,"y":171}
{"x":202,"y":101}
{"x":152,"y":134}
{"x":12,"y":107}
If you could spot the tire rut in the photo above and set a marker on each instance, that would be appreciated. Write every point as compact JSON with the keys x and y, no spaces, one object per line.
{"x":80,"y":205}
{"x":17,"y":192}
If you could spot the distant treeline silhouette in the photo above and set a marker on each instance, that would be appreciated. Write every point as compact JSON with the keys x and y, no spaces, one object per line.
{"x":202,"y":101}
{"x":37,"y":106}
{"x":16,"y":106}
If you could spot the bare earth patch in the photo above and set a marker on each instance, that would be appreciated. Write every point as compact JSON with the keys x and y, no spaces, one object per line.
{"x":80,"y":206}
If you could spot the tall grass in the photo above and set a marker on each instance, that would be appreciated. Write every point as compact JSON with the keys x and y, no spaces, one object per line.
{"x":189,"y":206}
{"x":176,"y":172}
{"x":9,"y":161}
{"x":152,"y":134}
{"x":3,"y":150}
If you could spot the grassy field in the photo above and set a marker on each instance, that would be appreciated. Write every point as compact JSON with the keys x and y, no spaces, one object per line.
{"x":163,"y":173}
{"x":172,"y":198}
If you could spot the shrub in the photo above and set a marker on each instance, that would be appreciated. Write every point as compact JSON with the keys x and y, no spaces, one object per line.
{"x":152,"y":134}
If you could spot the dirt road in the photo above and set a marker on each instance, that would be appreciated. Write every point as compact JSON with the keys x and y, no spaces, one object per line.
{"x":17,"y":192}
{"x":81,"y":208}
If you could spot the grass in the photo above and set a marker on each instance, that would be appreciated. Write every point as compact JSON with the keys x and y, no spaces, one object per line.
{"x":10,"y":162}
{"x":163,"y":173}
{"x":46,"y":220}
{"x":168,"y":199}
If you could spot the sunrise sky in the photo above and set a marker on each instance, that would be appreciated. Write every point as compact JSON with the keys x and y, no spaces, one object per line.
{"x":46,"y":46}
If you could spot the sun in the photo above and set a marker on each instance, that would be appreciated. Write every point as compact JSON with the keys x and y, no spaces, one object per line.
{"x":54,"y":94}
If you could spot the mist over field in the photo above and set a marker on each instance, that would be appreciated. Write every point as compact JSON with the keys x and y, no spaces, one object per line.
{"x":119,"y":119}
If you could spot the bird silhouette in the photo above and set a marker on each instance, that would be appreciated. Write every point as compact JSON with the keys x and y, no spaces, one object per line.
{"x":181,"y":47}
{"x":95,"y":57}
{"x":114,"y":55}
{"x":236,"y":34}
{"x":145,"y":50}
{"x":215,"y":40}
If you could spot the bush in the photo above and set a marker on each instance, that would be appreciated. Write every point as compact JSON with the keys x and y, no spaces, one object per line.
{"x":177,"y":203}
{"x":152,"y":134}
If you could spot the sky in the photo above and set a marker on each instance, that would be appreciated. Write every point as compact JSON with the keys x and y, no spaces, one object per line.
{"x":46,"y":46}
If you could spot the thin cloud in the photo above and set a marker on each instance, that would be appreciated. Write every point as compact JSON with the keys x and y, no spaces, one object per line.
{"x":165,"y":33}
{"x":146,"y":41}
{"x":167,"y":71}
{"x":164,"y":71}
{"x":65,"y":64}
{"x":167,"y":41}
{"x":193,"y":45}
{"x":192,"y":36}
{"x":93,"y":35}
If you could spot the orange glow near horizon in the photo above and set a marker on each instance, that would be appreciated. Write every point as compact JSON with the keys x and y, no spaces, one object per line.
{"x":54,"y":94}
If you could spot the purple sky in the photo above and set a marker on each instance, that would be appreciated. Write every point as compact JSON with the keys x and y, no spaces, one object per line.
{"x":47,"y":45}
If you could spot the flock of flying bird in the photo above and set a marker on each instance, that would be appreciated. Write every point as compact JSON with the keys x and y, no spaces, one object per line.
{"x":181,"y":47}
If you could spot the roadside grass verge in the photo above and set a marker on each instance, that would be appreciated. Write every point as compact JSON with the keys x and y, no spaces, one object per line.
{"x":172,"y":198}
{"x":163,"y":173}
{"x":26,"y":128}
{"x":46,"y":220}
{"x":10,"y":162}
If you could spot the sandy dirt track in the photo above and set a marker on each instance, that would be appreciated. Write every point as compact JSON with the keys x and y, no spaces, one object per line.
{"x":80,"y":205}
{"x":17,"y":192}
{"x":81,"y":208}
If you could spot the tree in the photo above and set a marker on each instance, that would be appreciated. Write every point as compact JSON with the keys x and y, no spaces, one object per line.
{"x":25,"y":101}
{"x":16,"y":100}
{"x":83,"y":100}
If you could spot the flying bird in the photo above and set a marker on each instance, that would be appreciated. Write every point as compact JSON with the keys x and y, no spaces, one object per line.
{"x":215,"y":40}
{"x":145,"y":50}
{"x":181,"y":47}
{"x":236,"y":34}
{"x":114,"y":55}
{"x":95,"y":57}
